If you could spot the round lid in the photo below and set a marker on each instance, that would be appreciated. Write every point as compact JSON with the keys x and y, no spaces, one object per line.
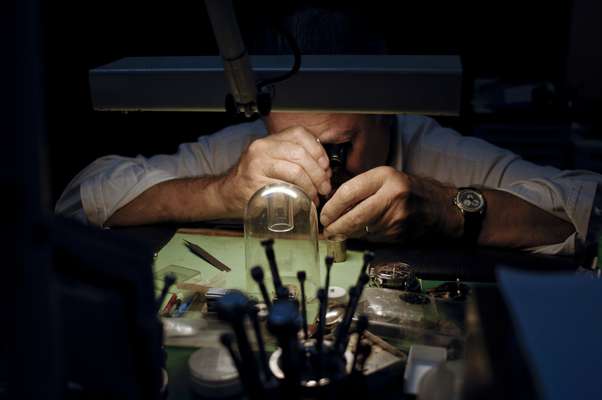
{"x":212,"y":365}
{"x":336,"y":293}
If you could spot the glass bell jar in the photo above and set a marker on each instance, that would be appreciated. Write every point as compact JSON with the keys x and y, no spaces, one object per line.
{"x":284,"y":213}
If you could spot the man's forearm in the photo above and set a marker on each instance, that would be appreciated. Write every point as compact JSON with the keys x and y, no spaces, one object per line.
{"x":511,"y":222}
{"x":177,"y":200}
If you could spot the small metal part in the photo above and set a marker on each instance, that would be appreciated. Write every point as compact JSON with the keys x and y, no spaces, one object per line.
{"x":293,"y":292}
{"x":336,"y":247}
{"x":335,"y":311}
{"x":337,"y":152}
{"x":334,"y":316}
{"x":393,"y":275}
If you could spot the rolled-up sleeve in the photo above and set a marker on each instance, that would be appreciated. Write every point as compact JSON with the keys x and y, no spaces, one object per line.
{"x":442,"y":154}
{"x":111,"y":182}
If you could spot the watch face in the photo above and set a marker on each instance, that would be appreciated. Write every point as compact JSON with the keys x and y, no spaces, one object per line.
{"x":470,"y":200}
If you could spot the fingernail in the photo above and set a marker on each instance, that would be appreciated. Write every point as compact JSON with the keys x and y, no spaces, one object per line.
{"x":325,"y":188}
{"x":324,"y":220}
{"x":323,"y":161}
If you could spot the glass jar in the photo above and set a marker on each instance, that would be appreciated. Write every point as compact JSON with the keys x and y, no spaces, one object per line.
{"x":284,"y":213}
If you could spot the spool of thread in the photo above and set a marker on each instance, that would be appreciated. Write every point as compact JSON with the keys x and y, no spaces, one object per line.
{"x":336,"y":247}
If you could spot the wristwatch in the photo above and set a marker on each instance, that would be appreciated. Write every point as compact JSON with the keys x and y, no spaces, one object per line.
{"x":472,"y":205}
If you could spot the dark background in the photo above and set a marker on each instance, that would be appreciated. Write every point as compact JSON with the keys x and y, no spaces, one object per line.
{"x":515,"y":41}
{"x":511,"y":41}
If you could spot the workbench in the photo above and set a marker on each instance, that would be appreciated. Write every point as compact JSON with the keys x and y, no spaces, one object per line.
{"x":432,"y":264}
{"x":228,"y":247}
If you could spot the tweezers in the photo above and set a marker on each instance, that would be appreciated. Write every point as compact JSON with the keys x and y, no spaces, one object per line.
{"x":197,"y":250}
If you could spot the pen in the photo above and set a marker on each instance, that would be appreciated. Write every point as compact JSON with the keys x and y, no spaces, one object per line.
{"x":175,"y":307}
{"x":170,"y":303}
{"x":186,"y":305}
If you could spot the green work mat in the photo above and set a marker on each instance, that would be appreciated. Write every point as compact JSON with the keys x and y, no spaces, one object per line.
{"x":231,"y":251}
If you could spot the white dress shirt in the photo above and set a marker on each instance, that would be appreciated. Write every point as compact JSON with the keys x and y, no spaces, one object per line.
{"x":423,"y":148}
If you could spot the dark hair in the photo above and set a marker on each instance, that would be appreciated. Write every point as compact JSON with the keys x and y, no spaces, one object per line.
{"x":316,"y":29}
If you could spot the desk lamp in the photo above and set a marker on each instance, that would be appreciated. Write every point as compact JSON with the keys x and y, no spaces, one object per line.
{"x":250,"y":85}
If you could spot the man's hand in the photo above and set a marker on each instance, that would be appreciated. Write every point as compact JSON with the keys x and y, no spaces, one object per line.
{"x":393,"y":206}
{"x":292,"y":155}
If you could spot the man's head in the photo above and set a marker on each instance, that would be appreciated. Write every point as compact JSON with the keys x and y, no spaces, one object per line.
{"x":327,"y":30}
{"x":368,"y":135}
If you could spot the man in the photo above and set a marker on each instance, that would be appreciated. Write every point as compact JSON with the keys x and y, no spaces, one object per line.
{"x":408,"y":171}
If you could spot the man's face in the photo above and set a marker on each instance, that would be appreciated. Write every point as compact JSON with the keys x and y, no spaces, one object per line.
{"x":368,"y":134}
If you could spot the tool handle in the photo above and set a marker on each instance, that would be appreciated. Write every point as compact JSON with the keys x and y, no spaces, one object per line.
{"x":301,"y":276}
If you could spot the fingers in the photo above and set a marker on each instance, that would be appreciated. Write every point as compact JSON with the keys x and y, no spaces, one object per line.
{"x":303,"y":137}
{"x":351,"y":193}
{"x":293,"y":173}
{"x":294,"y":153}
{"x":353,"y":223}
